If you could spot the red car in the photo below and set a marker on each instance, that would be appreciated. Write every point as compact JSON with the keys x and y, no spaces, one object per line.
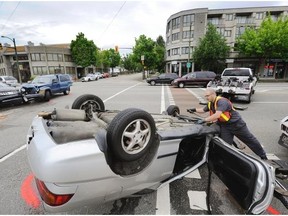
{"x":106,"y":75}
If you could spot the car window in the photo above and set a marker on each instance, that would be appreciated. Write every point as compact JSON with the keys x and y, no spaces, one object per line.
{"x":192,"y":75}
{"x":162,"y":76}
{"x":43,"y":79}
{"x":64,"y":78}
{"x":236,"y":72}
{"x":201,"y":75}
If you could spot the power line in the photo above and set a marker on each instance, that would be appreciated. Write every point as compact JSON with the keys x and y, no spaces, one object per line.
{"x":112,"y":19}
{"x":4,"y":25}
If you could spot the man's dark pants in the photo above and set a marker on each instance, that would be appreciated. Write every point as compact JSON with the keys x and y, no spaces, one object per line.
{"x":241,"y":131}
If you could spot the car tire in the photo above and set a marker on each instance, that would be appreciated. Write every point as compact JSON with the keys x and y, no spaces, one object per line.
{"x":153,"y":83}
{"x":131,"y":126}
{"x":181,"y":85}
{"x":67,"y":91}
{"x":47,"y":95}
{"x":90,"y":103}
{"x":172,"y":110}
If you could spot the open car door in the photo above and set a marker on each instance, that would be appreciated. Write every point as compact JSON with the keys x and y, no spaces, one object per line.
{"x":250,"y":181}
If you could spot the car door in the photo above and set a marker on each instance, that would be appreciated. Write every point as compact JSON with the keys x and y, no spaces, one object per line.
{"x":249,"y":180}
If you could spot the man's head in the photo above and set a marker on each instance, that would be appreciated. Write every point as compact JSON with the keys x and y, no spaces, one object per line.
{"x":210,"y":94}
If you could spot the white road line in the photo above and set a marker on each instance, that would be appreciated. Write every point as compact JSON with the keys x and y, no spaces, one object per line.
{"x":163,"y":194}
{"x":170,"y":96}
{"x":197,"y":200}
{"x":12,"y":153}
{"x":162,"y":108}
{"x":194,"y":174}
{"x":121,"y":92}
{"x":163,"y":201}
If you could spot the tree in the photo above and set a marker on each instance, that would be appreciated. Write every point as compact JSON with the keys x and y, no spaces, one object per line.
{"x":159,"y":50}
{"x":270,"y":40}
{"x":110,"y":58}
{"x":212,"y":51}
{"x":144,"y":47}
{"x":83,"y":51}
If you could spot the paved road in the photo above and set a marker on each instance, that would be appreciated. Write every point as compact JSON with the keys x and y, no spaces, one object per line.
{"x":268,"y":107}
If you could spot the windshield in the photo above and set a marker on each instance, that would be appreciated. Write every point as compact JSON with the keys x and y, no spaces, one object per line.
{"x":42,"y":79}
{"x":236,"y":72}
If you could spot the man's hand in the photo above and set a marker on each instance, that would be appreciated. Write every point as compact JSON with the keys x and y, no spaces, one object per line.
{"x":192,"y":110}
{"x":201,"y":121}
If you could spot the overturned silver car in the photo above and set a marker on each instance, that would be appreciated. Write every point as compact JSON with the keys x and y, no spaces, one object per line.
{"x":90,"y":155}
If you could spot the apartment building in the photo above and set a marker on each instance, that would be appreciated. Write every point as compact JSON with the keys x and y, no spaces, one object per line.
{"x":185,"y":28}
{"x":37,"y":60}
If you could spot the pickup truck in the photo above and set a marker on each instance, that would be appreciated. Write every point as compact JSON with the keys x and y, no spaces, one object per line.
{"x":235,"y":83}
{"x":43,"y":87}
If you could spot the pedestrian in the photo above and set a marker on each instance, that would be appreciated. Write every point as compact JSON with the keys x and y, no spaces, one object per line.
{"x":230,"y":122}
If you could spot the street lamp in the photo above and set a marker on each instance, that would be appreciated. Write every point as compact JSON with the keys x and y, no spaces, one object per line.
{"x":16,"y":55}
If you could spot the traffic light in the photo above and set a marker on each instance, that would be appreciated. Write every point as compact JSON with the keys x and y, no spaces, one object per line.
{"x":116,"y":49}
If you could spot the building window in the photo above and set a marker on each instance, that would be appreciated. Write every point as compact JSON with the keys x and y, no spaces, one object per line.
{"x":229,"y":17}
{"x":185,"y":50}
{"x":227,"y":33}
{"x":221,"y":31}
{"x":214,"y":20}
{"x":2,"y":72}
{"x":239,"y":31}
{"x":168,"y":53}
{"x":168,"y":27}
{"x":37,"y":57}
{"x":259,"y":16}
{"x":175,"y":51}
{"x":54,"y":57}
{"x":175,"y":36}
{"x":68,"y":58}
{"x":187,"y":34}
{"x":38,"y":70}
{"x":243,"y":20}
{"x":70,"y":70}
{"x":188,"y":19}
{"x":176,"y":23}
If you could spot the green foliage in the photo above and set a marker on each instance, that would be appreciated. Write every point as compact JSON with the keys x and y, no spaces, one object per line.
{"x":144,"y":46}
{"x":110,"y":58}
{"x":212,"y":51}
{"x":270,"y":40}
{"x":83,"y":51}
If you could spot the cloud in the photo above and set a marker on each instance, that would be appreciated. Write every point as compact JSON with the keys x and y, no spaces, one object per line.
{"x":107,"y":23}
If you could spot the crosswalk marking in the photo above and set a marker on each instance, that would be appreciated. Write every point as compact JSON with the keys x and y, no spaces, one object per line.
{"x":195,"y":174}
{"x":197,"y":200}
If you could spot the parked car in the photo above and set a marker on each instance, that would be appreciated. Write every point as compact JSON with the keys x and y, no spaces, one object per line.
{"x":99,"y":75}
{"x":201,"y":78}
{"x":45,"y":86}
{"x":9,"y":80}
{"x":89,"y":77}
{"x":106,"y":75}
{"x":166,"y":78}
{"x":9,"y":95}
{"x":90,"y":155}
{"x":283,"y":140}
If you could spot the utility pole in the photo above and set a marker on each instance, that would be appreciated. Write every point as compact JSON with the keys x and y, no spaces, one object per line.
{"x":16,"y":55}
{"x":188,"y":62}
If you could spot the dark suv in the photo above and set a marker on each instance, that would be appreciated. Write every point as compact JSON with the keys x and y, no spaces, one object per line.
{"x":195,"y":78}
{"x":166,"y":78}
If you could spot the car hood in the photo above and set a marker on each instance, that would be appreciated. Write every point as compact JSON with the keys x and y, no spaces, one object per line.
{"x":8,"y":89}
{"x":33,"y":85}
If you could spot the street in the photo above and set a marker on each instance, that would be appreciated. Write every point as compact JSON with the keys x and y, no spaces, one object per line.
{"x":263,"y":115}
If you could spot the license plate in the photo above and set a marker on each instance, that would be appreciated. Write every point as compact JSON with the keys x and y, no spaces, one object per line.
{"x":283,"y":140}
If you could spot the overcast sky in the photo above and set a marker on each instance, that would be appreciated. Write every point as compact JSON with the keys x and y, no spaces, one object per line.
{"x":107,"y":23}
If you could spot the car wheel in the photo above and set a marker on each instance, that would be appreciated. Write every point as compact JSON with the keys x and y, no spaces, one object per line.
{"x":47,"y":95}
{"x":153,"y":83}
{"x":89,"y":103}
{"x":131,"y":134}
{"x":172,"y":110}
{"x":67,"y":91}
{"x":181,"y":85}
